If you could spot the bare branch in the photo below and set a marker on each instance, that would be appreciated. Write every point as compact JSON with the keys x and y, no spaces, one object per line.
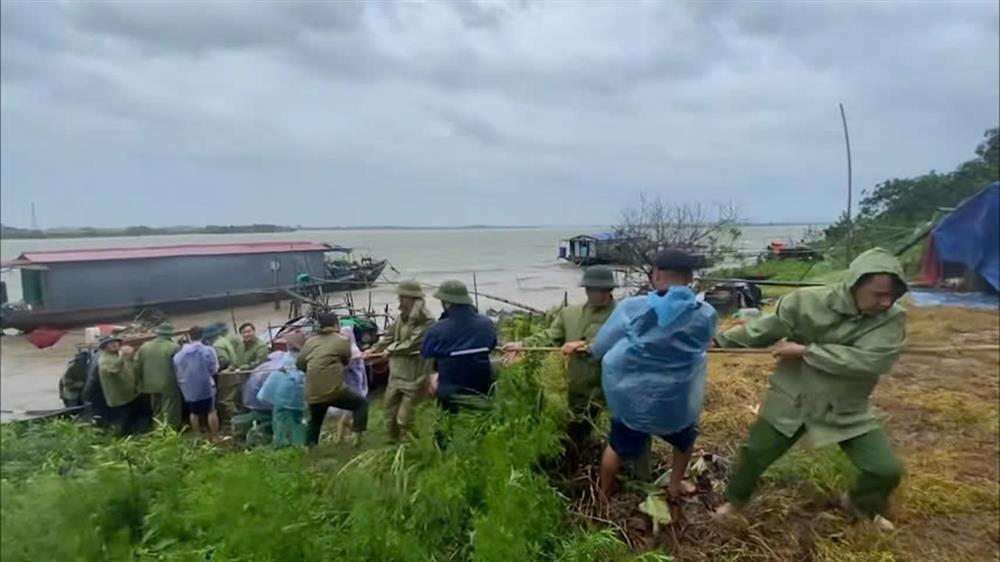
{"x":654,"y":224}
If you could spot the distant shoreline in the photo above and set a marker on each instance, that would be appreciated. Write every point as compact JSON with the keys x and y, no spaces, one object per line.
{"x":11,"y":233}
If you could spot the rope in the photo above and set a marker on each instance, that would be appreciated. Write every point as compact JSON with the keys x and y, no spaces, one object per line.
{"x":916,"y":349}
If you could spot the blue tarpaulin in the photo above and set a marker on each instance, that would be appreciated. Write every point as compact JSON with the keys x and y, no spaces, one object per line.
{"x":955,"y":300}
{"x":970,"y":235}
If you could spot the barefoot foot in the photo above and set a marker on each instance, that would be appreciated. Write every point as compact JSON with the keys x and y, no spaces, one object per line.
{"x":684,"y":488}
{"x":725,"y":512}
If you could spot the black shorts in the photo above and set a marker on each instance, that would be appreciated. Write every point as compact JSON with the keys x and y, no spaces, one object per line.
{"x":201,"y":407}
{"x":630,"y":444}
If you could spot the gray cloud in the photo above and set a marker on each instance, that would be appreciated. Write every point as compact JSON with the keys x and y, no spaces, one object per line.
{"x":361,"y":111}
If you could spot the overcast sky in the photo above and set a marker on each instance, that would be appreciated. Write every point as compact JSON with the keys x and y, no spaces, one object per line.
{"x":454,"y":113}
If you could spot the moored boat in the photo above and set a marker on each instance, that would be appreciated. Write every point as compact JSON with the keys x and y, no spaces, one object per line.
{"x":80,"y":287}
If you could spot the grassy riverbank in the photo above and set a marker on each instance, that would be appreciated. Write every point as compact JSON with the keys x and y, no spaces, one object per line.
{"x":497,"y":491}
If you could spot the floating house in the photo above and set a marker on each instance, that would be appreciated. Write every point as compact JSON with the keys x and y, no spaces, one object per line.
{"x":602,"y":248}
{"x":76,"y":287}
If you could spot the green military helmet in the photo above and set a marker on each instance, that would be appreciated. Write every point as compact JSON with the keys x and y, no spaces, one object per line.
{"x":454,"y":292}
{"x":599,"y":277}
{"x":214,"y":330}
{"x":410,"y":288}
{"x":165,"y":329}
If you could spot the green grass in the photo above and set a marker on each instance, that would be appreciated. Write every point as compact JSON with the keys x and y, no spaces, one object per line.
{"x":824,"y":472}
{"x":784,"y":270}
{"x":167,"y":497}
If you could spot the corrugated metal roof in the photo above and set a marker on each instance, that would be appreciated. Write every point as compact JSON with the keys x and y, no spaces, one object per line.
{"x":605,"y":236}
{"x":148,"y":252}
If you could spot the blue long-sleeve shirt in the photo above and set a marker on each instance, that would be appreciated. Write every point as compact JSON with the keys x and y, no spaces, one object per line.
{"x":654,"y":376}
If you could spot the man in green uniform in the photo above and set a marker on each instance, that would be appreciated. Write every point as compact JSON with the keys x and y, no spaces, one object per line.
{"x":228,"y":382}
{"x":573,"y":328}
{"x":116,"y":370}
{"x":408,"y":371}
{"x":833,"y":344}
{"x":323,"y":358}
{"x":154,"y":365}
{"x":248,"y":351}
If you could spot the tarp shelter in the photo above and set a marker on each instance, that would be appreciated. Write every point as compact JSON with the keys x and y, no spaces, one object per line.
{"x":968,"y":238}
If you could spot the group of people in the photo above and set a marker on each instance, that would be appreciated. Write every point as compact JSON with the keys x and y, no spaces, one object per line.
{"x":217,"y":379}
{"x":128,"y":388}
{"x":645,"y":357}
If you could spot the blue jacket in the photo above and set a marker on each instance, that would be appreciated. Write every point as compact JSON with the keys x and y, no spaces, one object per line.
{"x":460,"y":344}
{"x":653,"y":360}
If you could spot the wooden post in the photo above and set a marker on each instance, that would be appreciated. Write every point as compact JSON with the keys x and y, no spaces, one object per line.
{"x":275,"y":265}
{"x":475,"y":289}
{"x":232,"y":312}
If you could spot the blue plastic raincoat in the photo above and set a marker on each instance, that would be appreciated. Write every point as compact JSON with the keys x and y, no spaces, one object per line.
{"x":652,"y":352}
{"x":284,"y":388}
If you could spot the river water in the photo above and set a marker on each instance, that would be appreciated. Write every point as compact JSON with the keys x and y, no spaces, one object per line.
{"x":517,"y":264}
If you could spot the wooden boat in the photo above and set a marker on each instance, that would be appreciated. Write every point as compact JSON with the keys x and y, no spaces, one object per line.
{"x":780,"y":250}
{"x":72,"y":288}
{"x":346,"y":274}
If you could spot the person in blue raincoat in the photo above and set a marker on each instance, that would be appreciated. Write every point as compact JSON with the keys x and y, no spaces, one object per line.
{"x":283,"y":390}
{"x":652,"y":352}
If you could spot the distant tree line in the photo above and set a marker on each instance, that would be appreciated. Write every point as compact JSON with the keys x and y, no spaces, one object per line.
{"x":10,"y":232}
{"x":896,"y":209}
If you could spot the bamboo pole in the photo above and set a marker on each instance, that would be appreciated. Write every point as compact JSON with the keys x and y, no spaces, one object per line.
{"x":850,"y":188}
{"x":763,"y":282}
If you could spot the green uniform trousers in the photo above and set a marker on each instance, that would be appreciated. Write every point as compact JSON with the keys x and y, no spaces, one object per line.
{"x":230,"y":397}
{"x":880,"y":470}
{"x":167,"y":407}
{"x":400,"y":405}
{"x":586,"y":400}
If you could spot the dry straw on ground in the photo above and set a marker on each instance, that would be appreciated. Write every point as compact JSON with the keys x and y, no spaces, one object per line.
{"x":941,"y":414}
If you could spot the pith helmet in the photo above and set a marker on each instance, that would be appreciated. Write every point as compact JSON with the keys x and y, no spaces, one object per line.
{"x":599,"y":277}
{"x":410,"y":289}
{"x":106,"y":340}
{"x":165,"y":329}
{"x":454,"y":292}
{"x":213,"y":330}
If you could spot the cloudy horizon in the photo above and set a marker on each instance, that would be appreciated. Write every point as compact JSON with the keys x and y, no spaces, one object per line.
{"x":495,"y":113}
